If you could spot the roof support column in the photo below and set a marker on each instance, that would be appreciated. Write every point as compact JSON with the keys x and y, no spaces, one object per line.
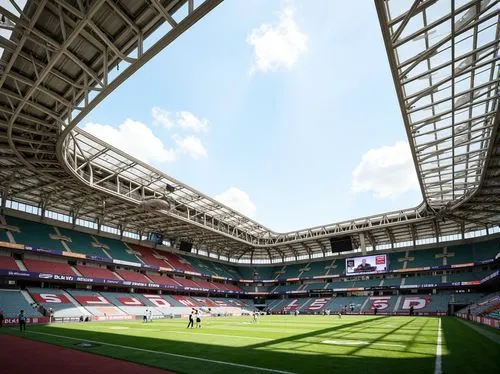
{"x":362,"y":243}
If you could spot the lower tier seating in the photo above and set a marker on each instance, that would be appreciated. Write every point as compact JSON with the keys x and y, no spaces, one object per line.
{"x":13,"y":301}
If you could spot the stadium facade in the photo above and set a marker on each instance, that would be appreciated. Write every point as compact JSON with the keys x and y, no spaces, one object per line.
{"x":79,"y":213}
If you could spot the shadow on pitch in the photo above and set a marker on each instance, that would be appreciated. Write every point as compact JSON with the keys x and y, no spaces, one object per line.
{"x":256,"y":355}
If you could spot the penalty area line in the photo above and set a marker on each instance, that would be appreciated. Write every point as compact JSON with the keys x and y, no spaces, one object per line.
{"x":167,"y":354}
{"x":439,"y":350}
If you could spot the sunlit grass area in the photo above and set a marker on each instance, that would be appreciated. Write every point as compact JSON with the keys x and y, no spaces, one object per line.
{"x":302,"y":344}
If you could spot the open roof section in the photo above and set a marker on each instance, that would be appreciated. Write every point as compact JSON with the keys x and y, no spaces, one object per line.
{"x":62,"y":60}
{"x":444,"y":60}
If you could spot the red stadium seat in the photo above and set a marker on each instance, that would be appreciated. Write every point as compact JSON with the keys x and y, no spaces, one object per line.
{"x":48,"y":267}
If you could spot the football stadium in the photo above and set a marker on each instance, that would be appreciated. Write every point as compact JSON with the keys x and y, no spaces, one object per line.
{"x":108,"y":264}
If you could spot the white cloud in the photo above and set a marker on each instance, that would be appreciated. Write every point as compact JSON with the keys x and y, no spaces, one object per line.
{"x":162,"y":117}
{"x":192,"y":146}
{"x":277,"y":45}
{"x":134,"y":138}
{"x":183,"y":119}
{"x":386,"y":171}
{"x":188,"y":120}
{"x":237,"y":200}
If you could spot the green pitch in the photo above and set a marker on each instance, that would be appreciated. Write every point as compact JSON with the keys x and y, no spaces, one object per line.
{"x":287,"y":344}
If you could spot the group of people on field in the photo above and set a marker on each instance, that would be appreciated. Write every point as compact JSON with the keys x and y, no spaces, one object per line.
{"x":195,"y":314}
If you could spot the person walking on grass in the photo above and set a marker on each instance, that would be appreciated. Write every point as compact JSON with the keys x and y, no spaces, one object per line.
{"x":198,"y":320}
{"x":191,"y":322}
{"x":22,"y":321}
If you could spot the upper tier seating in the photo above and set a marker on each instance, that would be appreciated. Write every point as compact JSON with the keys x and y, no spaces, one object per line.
{"x":293,"y":271}
{"x":34,"y":234}
{"x":367,"y":283}
{"x":13,"y":301}
{"x":461,"y":254}
{"x":150,"y":256}
{"x":315,"y":268}
{"x":187,"y":282}
{"x":337,"y":268}
{"x":162,"y":279}
{"x":257,"y":273}
{"x":486,"y":250}
{"x":315,"y":286}
{"x":177,"y":262}
{"x":81,"y":243}
{"x":117,"y":249}
{"x":3,"y":235}
{"x":212,"y":268}
{"x":96,"y":272}
{"x":286,"y":288}
{"x":396,"y":281}
{"x":424,"y":279}
{"x":7,"y":262}
{"x":394,"y":260}
{"x":425,"y":257}
{"x":52,"y":267}
{"x":133,"y":276}
{"x":229,"y":287}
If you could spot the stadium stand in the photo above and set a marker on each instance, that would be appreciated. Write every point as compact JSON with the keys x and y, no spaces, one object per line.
{"x":315,"y":286}
{"x":95,"y":303}
{"x":315,"y":268}
{"x":423,"y":279}
{"x":133,"y":304}
{"x":486,"y":250}
{"x":150,"y":256}
{"x":133,"y":276}
{"x":177,"y":262}
{"x":425,"y":257}
{"x":59,"y":301}
{"x":116,"y":249}
{"x":286,"y":288}
{"x":3,"y":234}
{"x":187,"y":282}
{"x":96,"y":272}
{"x":13,"y":301}
{"x":336,"y":268}
{"x":7,"y":262}
{"x":163,"y":279}
{"x":46,"y":266}
{"x":367,"y":282}
{"x":394,"y":281}
{"x":81,"y":243}
{"x":34,"y":234}
{"x":396,"y":260}
{"x":485,"y":306}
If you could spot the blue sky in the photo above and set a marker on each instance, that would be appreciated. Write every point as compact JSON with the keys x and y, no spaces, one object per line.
{"x":285,"y":111}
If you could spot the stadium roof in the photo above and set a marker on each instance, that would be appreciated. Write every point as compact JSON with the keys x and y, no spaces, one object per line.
{"x":64,"y":57}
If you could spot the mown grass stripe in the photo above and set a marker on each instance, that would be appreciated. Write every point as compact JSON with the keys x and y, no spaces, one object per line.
{"x":257,"y":368}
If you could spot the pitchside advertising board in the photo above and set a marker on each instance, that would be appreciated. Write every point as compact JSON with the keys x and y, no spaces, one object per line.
{"x":366,"y":265}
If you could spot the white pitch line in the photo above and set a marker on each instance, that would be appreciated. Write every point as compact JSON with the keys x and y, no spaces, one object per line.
{"x":167,"y":354}
{"x":208,"y":334}
{"x":359,"y":342}
{"x":439,"y":350}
